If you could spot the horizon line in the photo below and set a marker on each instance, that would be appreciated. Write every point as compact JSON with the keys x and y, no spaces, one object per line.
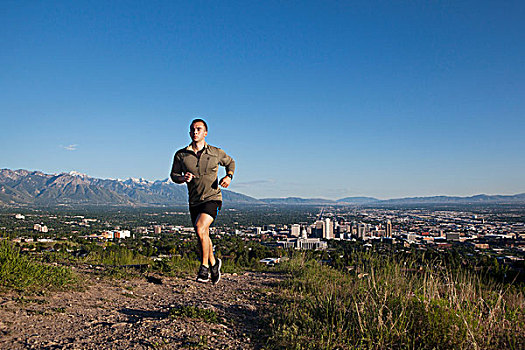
{"x":280,"y":197}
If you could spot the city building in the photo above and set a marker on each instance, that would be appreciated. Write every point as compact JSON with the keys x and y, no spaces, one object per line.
{"x":328,"y":229}
{"x":40,"y":228}
{"x":304,"y":235}
{"x":122,"y":234}
{"x":319,"y":229}
{"x":452,"y":236}
{"x":295,"y":230}
{"x":361,"y":230}
{"x":303,"y":243}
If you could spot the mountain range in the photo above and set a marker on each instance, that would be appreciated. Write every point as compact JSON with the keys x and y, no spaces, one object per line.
{"x":35,"y":188}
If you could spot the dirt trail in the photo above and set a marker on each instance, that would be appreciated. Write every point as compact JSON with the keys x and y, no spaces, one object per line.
{"x":134,"y":314}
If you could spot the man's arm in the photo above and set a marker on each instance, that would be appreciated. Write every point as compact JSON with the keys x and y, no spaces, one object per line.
{"x":176,"y":171}
{"x":227,"y":162}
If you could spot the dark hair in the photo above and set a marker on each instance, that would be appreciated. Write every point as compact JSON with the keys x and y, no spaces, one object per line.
{"x":199,"y":120}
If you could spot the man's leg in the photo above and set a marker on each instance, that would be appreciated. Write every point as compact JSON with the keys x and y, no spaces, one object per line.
{"x":211,"y":257}
{"x":202,"y":228}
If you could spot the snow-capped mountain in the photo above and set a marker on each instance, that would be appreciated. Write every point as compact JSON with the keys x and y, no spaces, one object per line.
{"x":23,"y":187}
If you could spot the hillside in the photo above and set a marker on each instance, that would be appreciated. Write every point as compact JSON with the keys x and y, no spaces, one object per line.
{"x":140,"y":313}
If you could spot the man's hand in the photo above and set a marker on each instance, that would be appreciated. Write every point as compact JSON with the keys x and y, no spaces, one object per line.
{"x":187,"y":177}
{"x":225,"y":181}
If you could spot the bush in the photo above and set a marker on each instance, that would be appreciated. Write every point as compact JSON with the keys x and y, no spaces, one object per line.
{"x":21,"y":273}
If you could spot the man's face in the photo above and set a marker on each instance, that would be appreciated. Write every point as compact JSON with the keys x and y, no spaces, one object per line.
{"x":198,"y":131}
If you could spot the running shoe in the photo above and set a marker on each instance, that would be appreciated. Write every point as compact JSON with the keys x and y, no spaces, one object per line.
{"x":204,"y":274}
{"x":216,"y":271}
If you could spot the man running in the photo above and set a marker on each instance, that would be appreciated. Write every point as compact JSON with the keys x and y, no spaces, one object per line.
{"x":197,"y":166}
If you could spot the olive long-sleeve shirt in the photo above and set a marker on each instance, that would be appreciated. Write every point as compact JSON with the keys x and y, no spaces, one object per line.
{"x":204,"y":186}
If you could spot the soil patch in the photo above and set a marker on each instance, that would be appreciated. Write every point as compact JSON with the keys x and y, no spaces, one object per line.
{"x":135,"y":314}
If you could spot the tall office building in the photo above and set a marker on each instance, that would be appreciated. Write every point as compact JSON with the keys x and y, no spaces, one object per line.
{"x":296,"y":230}
{"x":353,"y":228}
{"x":388,"y":231}
{"x":319,"y":228}
{"x":361,"y":230}
{"x":328,"y":232}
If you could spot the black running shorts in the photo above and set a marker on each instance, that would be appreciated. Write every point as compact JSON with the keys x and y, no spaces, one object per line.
{"x":211,"y":208}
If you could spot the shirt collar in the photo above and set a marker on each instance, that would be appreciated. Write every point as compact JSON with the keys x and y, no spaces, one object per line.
{"x":189,"y":148}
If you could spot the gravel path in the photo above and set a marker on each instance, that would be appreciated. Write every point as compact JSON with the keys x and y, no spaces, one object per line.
{"x":134,"y":314}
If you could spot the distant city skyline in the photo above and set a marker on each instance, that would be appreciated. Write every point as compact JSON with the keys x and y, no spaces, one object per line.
{"x":314,"y":100}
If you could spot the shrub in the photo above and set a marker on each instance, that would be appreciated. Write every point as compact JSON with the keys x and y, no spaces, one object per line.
{"x":21,"y":273}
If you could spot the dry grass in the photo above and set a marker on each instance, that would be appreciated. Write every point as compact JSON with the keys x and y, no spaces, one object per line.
{"x":383,"y":306}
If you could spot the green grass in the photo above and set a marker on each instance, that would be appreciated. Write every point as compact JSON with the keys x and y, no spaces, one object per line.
{"x":193,"y":312}
{"x":382,"y":306}
{"x":19,"y":272}
{"x":229,"y":266}
{"x":177,"y":266}
{"x":114,"y":255}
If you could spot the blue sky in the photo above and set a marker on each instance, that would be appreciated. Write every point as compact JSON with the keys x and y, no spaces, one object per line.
{"x":312,"y":98}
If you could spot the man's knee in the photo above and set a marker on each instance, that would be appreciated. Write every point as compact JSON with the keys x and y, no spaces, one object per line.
{"x":201,"y":230}
{"x":202,"y":225}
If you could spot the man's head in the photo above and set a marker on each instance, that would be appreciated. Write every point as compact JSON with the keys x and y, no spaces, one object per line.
{"x":198,"y":130}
